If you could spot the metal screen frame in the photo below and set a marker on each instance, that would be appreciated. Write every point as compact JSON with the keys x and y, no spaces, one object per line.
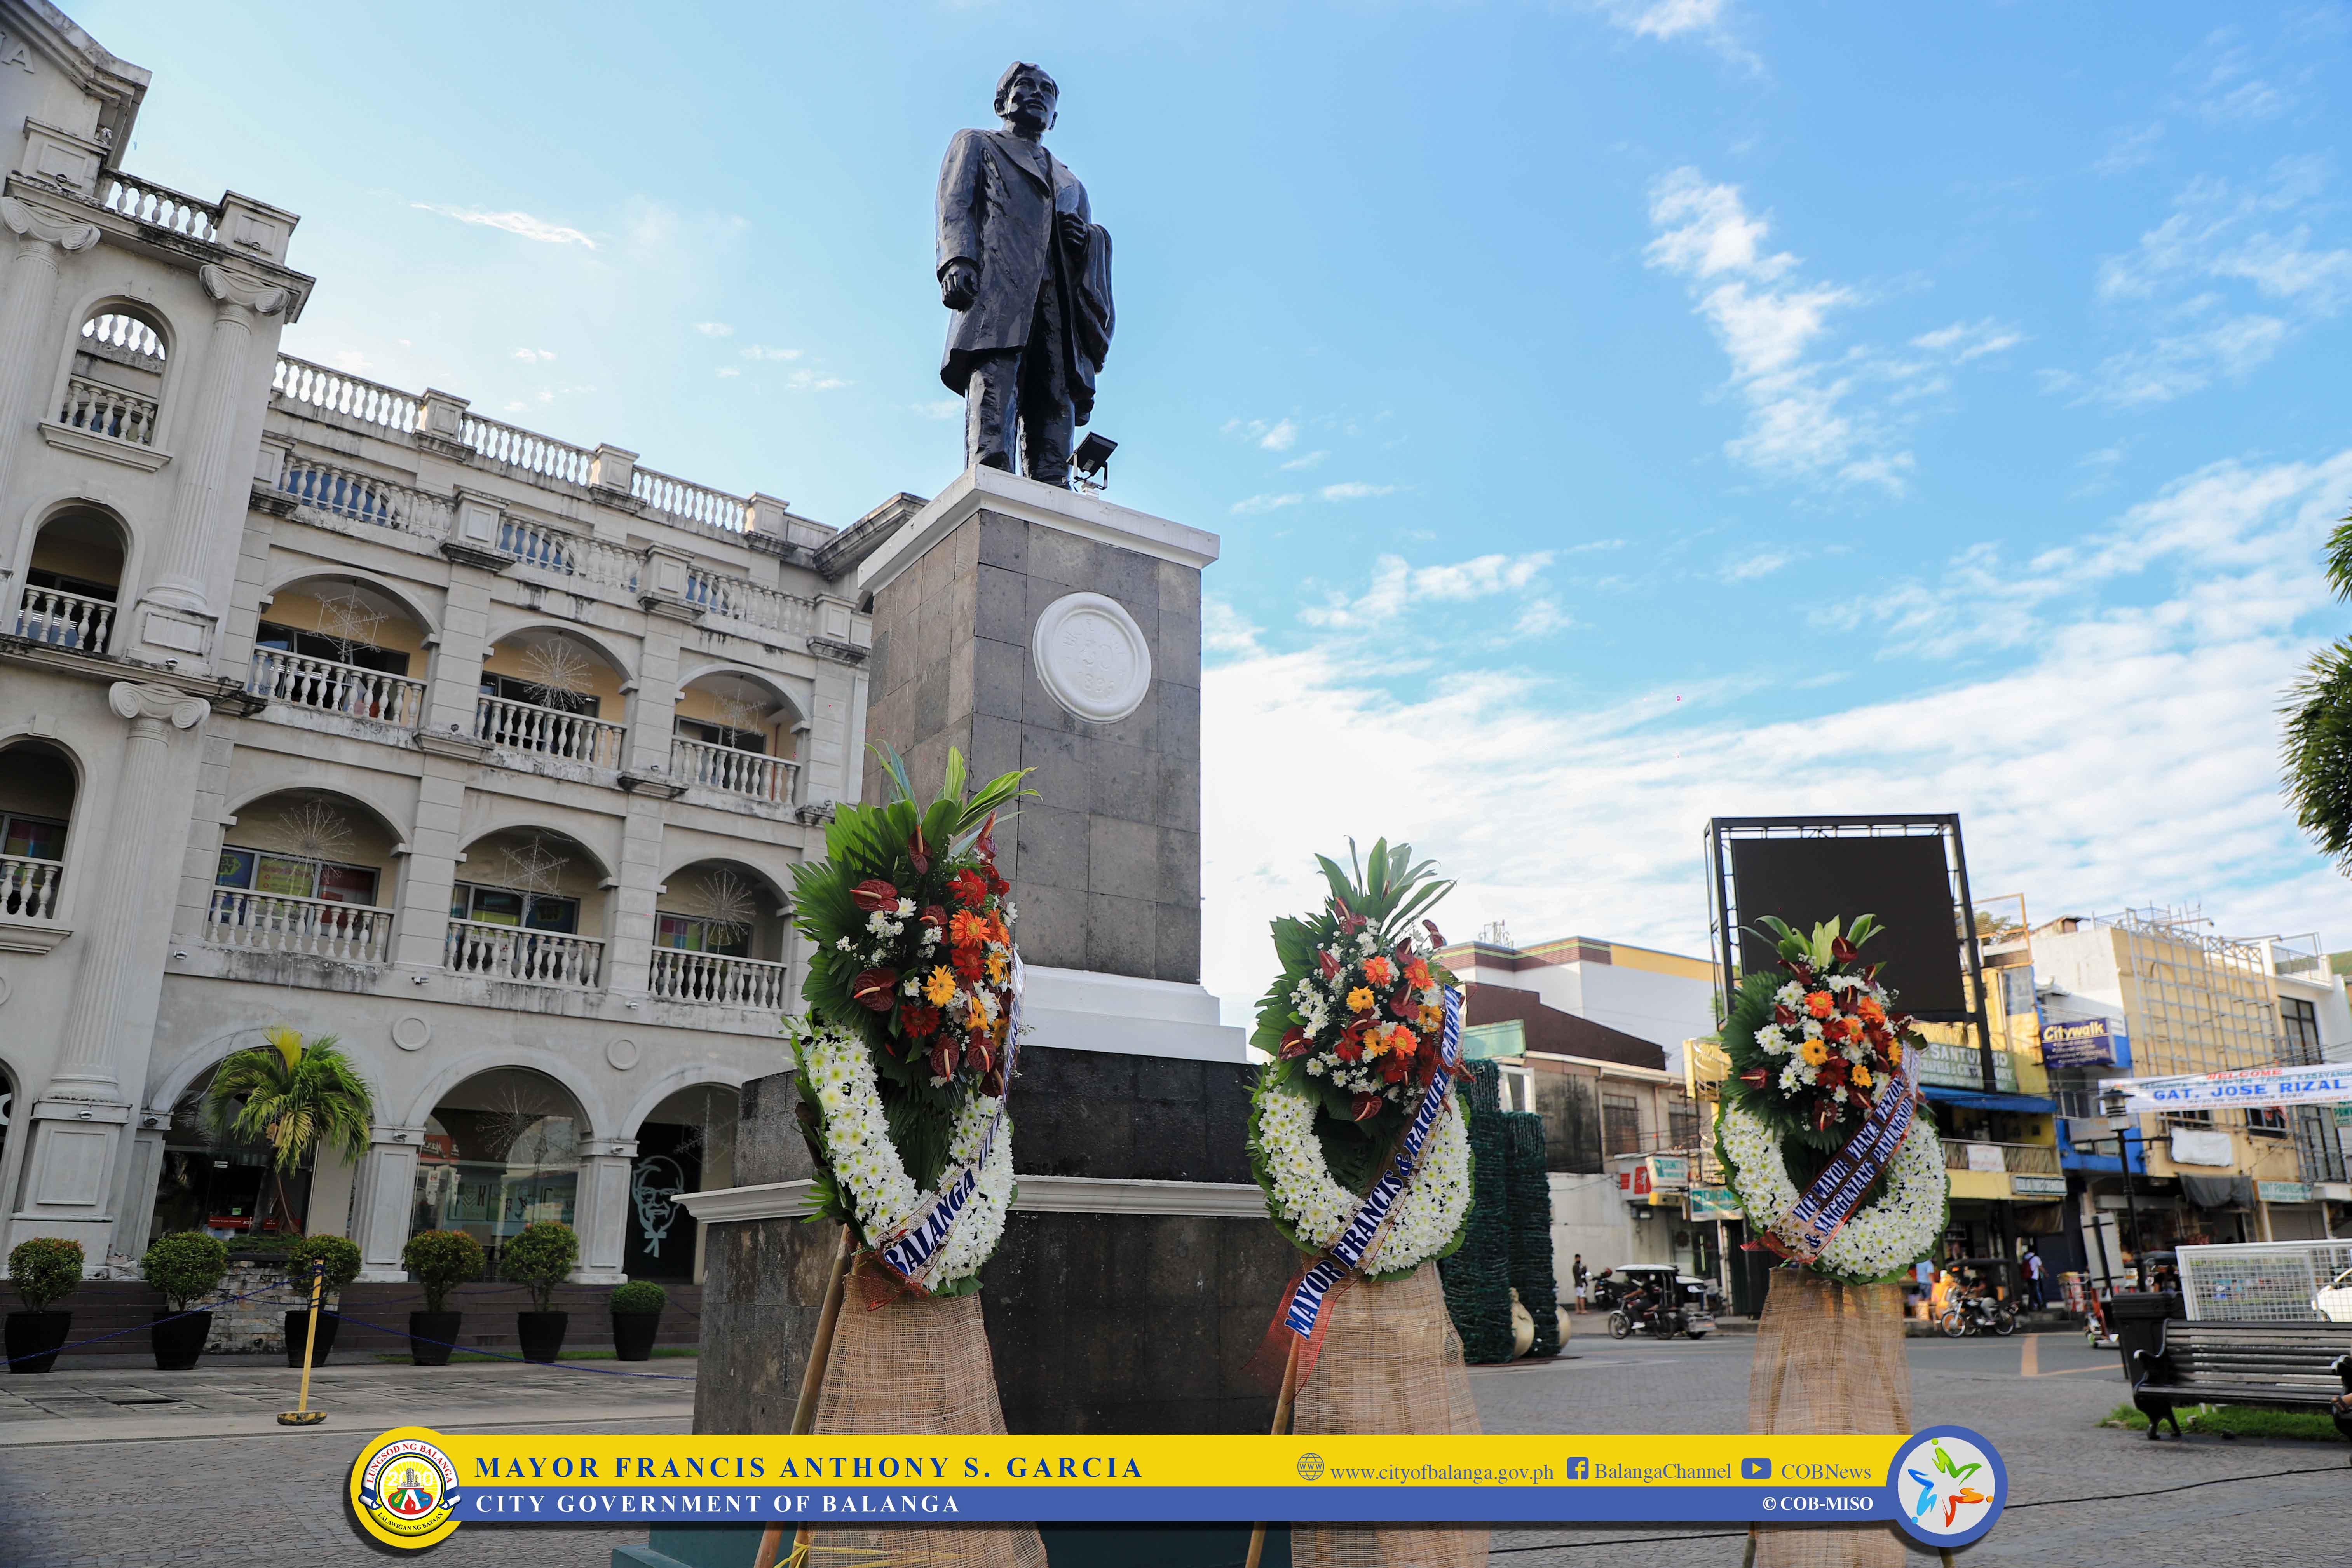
{"x":1724,"y":917}
{"x":2259,"y":1281}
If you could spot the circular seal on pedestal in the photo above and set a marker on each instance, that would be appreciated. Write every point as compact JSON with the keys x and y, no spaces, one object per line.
{"x":411,"y":1033}
{"x":622,"y":1054}
{"x":1092,"y":656}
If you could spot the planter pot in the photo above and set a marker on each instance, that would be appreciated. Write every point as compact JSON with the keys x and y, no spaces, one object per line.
{"x":179,"y":1342}
{"x":297,"y":1325}
{"x":542,"y":1333}
{"x":33,"y":1338}
{"x":426,"y":1327}
{"x":632,"y":1335}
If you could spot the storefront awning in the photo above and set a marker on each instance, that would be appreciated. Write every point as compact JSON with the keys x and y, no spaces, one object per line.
{"x":1977,"y":1099}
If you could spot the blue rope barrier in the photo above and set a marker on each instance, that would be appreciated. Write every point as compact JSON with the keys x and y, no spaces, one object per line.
{"x":136,"y":1328}
{"x":501,"y":1356}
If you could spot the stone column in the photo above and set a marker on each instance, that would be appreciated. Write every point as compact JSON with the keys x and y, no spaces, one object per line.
{"x":74,"y":1179}
{"x":32,"y":291}
{"x":602,"y":1214}
{"x":386,"y":1196}
{"x":178,"y":612}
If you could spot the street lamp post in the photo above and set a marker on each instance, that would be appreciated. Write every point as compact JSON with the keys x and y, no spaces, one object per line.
{"x":2122,"y":1122}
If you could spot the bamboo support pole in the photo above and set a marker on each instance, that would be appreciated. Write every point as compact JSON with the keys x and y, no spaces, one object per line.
{"x":772,"y":1540}
{"x":1282,"y":1409}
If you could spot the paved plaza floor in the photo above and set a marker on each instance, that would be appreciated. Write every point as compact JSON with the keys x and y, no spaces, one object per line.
{"x":128,"y":1469}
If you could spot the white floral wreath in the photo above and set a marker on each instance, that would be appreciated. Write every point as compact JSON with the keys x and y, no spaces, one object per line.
{"x":1306,"y":1197}
{"x":1883,"y":1238}
{"x":834,"y":1065}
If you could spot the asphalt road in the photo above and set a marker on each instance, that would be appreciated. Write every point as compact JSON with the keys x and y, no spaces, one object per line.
{"x":131,"y":1469}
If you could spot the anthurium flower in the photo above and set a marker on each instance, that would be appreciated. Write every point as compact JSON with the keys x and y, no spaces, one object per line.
{"x":1368,"y":1106}
{"x":873,"y":989}
{"x":873,"y":896}
{"x":1295,"y":1044}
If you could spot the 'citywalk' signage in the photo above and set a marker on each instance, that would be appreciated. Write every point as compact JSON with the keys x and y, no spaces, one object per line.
{"x":2085,"y":1043}
{"x":2258,"y":1088}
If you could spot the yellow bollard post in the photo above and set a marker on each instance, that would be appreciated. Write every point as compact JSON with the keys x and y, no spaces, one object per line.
{"x":302,"y":1414}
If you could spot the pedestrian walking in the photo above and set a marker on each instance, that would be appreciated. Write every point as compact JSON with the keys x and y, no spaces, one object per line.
{"x":1581,"y":1276}
{"x":2033,"y":1276}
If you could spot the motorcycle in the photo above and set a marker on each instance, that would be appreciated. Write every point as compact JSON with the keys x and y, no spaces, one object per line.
{"x":1979,"y":1315}
{"x":1659,"y":1322}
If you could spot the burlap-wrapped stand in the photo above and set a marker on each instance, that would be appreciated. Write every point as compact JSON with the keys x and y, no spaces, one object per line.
{"x":916,"y":1365}
{"x":1390,"y":1364}
{"x":1828,"y":1359}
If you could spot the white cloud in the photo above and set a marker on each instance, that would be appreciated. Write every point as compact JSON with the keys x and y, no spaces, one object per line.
{"x":761,"y":351}
{"x":714,"y":329}
{"x":1354,"y":489}
{"x":1964,"y":340}
{"x":942,"y":408}
{"x":2129,"y":756}
{"x":534,"y":357}
{"x":1666,"y":19}
{"x":1253,"y":504}
{"x":1281,"y":439}
{"x":727,"y":369}
{"x":1748,"y":568}
{"x":1307,"y":461}
{"x":1810,"y":418}
{"x":2226,"y":89}
{"x":2129,"y":148}
{"x":1397,"y":584}
{"x":519,"y":224}
{"x":812,"y":380}
{"x":352,"y":360}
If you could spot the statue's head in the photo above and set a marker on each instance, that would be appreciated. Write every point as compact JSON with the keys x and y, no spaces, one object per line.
{"x":1026,"y":97}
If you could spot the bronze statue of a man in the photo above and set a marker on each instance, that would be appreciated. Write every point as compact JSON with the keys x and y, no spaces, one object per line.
{"x":1027,"y":273}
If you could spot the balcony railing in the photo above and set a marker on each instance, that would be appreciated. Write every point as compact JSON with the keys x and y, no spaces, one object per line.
{"x":372,"y":402}
{"x":163,"y":207}
{"x":547,"y":732}
{"x":2018,"y":1159}
{"x":735,"y":599}
{"x":697,"y":764}
{"x":718,"y":981}
{"x":323,"y":686}
{"x":28,"y":888}
{"x":346,"y":492}
{"x":526,"y":449}
{"x":64,"y":620}
{"x":570,"y":554}
{"x":529,"y":957}
{"x":313,"y":928}
{"x":693,"y":502}
{"x":108,"y":411}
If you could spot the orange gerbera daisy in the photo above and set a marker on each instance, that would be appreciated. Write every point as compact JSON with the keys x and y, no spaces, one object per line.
{"x":1820,"y":1004}
{"x":1379,"y":970}
{"x":967,"y":930}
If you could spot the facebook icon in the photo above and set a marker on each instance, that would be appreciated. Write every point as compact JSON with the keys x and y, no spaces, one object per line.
{"x":1579,"y":1470}
{"x":1755,"y":1470}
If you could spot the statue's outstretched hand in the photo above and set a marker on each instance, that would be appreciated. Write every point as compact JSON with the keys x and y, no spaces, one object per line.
{"x":959,"y":285}
{"x":1073,"y":230}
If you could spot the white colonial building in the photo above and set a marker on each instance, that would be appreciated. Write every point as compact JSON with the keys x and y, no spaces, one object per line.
{"x":341,"y":707}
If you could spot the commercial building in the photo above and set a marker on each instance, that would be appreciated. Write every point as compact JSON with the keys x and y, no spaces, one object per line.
{"x":343,"y":707}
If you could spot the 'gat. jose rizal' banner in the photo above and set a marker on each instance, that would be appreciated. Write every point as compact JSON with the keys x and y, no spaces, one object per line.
{"x":2258,"y":1088}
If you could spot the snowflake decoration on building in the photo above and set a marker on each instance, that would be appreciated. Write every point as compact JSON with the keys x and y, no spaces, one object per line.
{"x":728,"y":906}
{"x":532,"y":866}
{"x":558,"y":673}
{"x":350,"y":622}
{"x":315,"y":830}
{"x":741,"y":713}
{"x":521,"y":1129}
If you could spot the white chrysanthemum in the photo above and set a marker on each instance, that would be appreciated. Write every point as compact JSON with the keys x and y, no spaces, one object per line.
{"x":1893,"y":1233}
{"x":1316,"y":1207}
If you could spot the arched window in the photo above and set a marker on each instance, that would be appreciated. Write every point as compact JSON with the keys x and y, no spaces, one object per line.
{"x":547,"y":692}
{"x":116,"y":388}
{"x":37,"y":801}
{"x":720,"y":936}
{"x":305,"y":871}
{"x":501,"y":1151}
{"x":72,"y":581}
{"x":735,"y":735}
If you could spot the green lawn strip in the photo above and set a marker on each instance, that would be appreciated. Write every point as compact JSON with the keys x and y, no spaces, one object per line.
{"x":2235,"y":1421}
{"x":661,"y":1353}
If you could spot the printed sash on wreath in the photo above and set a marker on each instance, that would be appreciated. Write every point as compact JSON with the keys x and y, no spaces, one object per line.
{"x":1838,"y":1190}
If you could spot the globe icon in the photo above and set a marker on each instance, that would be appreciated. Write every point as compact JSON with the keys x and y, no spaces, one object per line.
{"x":1311,"y":1467}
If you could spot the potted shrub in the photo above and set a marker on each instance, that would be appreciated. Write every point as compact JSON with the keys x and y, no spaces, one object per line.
{"x":342,"y":1258}
{"x":182,"y":1267}
{"x":540,"y":1256}
{"x":636,"y":1317}
{"x":441,"y":1260}
{"x":44,"y":1269}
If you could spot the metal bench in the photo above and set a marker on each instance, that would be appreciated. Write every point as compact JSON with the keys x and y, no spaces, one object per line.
{"x":2275,"y":1366}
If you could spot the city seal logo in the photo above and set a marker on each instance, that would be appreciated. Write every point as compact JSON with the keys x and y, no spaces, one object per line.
{"x":404,"y":1489}
{"x":1949,"y":1486}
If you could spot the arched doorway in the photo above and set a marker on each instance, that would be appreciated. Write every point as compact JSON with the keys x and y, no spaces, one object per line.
{"x":501,"y":1151}
{"x":687,"y":1144}
{"x":213,"y":1183}
{"x":72,"y":581}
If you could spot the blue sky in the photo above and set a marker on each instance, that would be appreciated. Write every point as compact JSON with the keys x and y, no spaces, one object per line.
{"x":1615,"y":413}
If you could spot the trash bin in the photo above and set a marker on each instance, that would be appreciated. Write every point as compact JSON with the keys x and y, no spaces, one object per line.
{"x":2136,"y":1317}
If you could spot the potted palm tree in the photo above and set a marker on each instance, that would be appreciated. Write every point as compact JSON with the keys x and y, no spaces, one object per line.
{"x":441,"y":1260}
{"x":636,"y":1318}
{"x":44,"y":1269}
{"x":540,"y":1256}
{"x":291,"y":1098}
{"x":341,"y":1259}
{"x":182,"y":1267}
